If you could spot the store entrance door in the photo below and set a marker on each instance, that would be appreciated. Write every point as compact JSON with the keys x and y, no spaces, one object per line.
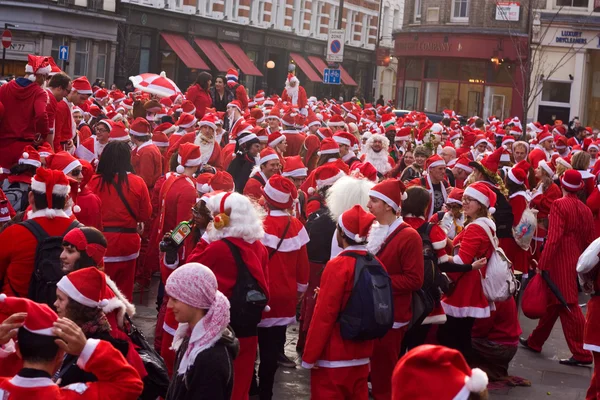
{"x":548,"y":114}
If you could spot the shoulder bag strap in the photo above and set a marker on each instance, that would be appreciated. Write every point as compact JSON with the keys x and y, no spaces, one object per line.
{"x":488,"y":231}
{"x":74,"y":224}
{"x":35,"y":228}
{"x":285,"y":231}
{"x":392,"y":235}
{"x":124,"y":200}
{"x":235,"y":252}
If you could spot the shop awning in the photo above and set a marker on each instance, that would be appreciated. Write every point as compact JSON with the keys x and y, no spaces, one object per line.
{"x":305,"y":67}
{"x":212,"y":51}
{"x":241,"y":59}
{"x":184,"y":51}
{"x":346,"y":78}
{"x":318,"y":63}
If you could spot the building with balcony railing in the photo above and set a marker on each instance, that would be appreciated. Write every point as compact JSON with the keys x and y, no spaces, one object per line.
{"x":258,"y":37}
{"x":87,"y":27}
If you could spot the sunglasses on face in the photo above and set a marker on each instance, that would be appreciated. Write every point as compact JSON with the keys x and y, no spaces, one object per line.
{"x":76,"y":172}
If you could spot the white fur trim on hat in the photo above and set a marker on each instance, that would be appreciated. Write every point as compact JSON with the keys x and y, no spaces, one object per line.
{"x":59,"y":190}
{"x":482,"y":140}
{"x":477,"y":195}
{"x":546,"y":167}
{"x":321,"y":183}
{"x":297,"y":173}
{"x":189,"y":125}
{"x":208,"y":123}
{"x":383,"y":197}
{"x":268,"y":158}
{"x":437,"y":163}
{"x":247,"y":138}
{"x":339,"y":123}
{"x":354,"y":236}
{"x":135,"y":133}
{"x":513,"y":178}
{"x":275,"y":142}
{"x":342,"y":140}
{"x":26,"y":160}
{"x":72,"y":165}
{"x":276,"y":195}
{"x":330,"y":151}
{"x":66,"y":286}
{"x":549,"y":137}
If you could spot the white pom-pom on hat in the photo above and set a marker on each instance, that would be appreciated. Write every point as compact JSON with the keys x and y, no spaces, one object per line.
{"x":180,"y":169}
{"x":103,"y":303}
{"x":477,"y":382}
{"x":267,"y":308}
{"x":311,"y":190}
{"x":25,"y":155}
{"x":76,"y":209}
{"x":404,"y":196}
{"x":357,"y":238}
{"x":2,"y":297}
{"x":205,"y":188}
{"x":492,"y":210}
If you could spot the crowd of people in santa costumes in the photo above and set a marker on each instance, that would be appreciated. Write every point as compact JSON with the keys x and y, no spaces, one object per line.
{"x":259,"y":212}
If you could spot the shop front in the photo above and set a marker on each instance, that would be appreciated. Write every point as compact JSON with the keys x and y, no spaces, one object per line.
{"x":470,"y":74}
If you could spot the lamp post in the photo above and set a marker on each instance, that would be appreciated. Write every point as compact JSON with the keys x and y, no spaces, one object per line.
{"x":270,"y":65}
{"x":6,"y":26}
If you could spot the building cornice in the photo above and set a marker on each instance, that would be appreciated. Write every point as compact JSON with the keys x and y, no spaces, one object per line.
{"x":457,"y":30}
{"x":70,"y":10}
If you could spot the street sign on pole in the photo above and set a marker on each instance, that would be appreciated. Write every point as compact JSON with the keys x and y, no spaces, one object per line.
{"x":6,"y":39}
{"x":335,"y":46}
{"x":63,"y":53}
{"x":331,"y":76}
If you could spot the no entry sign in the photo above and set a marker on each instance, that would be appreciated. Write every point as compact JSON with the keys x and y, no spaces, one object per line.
{"x":335,"y":46}
{"x":6,"y":39}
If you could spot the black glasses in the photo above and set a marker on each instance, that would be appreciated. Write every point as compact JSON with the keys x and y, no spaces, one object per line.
{"x":76,"y":172}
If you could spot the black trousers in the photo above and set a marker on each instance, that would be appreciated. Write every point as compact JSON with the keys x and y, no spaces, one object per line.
{"x":456,"y":334}
{"x":414,"y":337}
{"x":270,"y":342}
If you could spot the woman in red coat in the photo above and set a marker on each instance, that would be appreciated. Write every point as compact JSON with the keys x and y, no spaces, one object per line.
{"x":199,"y":95}
{"x":468,"y":301}
{"x":518,"y":198}
{"x":129,"y":207}
{"x":542,"y":198}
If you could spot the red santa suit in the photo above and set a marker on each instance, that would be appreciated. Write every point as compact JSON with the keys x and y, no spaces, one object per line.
{"x":254,"y":185}
{"x":24,"y":118}
{"x":147,"y":163}
{"x":294,"y":140}
{"x":115,"y":378}
{"x":542,"y":201}
{"x":520,"y":258}
{"x":343,"y":364}
{"x":219,"y":259}
{"x":51,"y":110}
{"x":64,"y":127}
{"x":312,"y":145}
{"x":297,"y":98}
{"x":84,"y":132}
{"x":90,"y":206}
{"x":400,"y":249}
{"x":593,"y":202}
{"x":120,"y":227}
{"x":591,"y":339}
{"x":17,"y":255}
{"x":570,"y":231}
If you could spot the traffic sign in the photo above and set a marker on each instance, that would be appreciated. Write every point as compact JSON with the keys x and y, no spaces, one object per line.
{"x":335,"y":45}
{"x":331,"y":76}
{"x":6,"y":39}
{"x":63,"y":53}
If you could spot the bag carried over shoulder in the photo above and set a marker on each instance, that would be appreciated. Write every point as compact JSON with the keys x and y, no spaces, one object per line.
{"x":248,"y":299}
{"x":369,"y":313}
{"x":17,"y":194}
{"x":535,"y":297}
{"x":524,"y":231}
{"x":47,"y":268}
{"x":499,"y":283}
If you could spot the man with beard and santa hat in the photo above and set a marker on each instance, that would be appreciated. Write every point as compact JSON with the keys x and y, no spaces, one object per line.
{"x":210,"y":151}
{"x":376,"y":153}
{"x":294,"y":94}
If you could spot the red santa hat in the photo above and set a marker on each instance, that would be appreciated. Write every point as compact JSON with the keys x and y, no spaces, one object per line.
{"x":347,"y":106}
{"x":186,"y":121}
{"x":189,"y":156}
{"x":266,"y":155}
{"x":403,"y":134}
{"x":294,"y":167}
{"x":235,"y":104}
{"x":434,"y":161}
{"x":505,"y":157}
{"x":202,"y":181}
{"x":280,"y":192}
{"x":548,"y":167}
{"x":101,"y":94}
{"x":292,"y":78}
{"x":275,"y":138}
{"x":140,"y":127}
{"x":328,"y":146}
{"x":289,"y":118}
{"x":463,"y":163}
{"x":312,"y":119}
{"x":507,"y":139}
{"x":518,"y":173}
{"x":54,"y":68}
{"x":232,"y":75}
{"x":364,"y":170}
{"x":257,"y":114}
{"x":37,"y":65}
{"x":326,"y":175}
{"x":391,"y":191}
{"x":118,"y":132}
{"x":572,"y":181}
{"x":544,"y":136}
{"x":324,"y":133}
{"x":454,"y":379}
{"x":336,"y":120}
{"x":345,"y":138}
{"x":483,"y":193}
{"x":50,"y":182}
{"x":166,"y":127}
{"x":81,"y":85}
{"x":564,"y":162}
{"x":356,"y":223}
{"x":261,"y":134}
{"x":40,"y":318}
{"x":559,"y":130}
{"x":220,"y":181}
{"x":259,"y":97}
{"x":62,"y":161}
{"x":6,"y":209}
{"x":480,"y":139}
{"x":86,"y":286}
{"x":455,"y":196}
{"x":188,"y":107}
{"x":209,"y":120}
{"x":491,"y":162}
{"x":30,"y":156}
{"x":45,"y":150}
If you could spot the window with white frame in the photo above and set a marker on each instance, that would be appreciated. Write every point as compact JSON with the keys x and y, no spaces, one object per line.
{"x":315,"y":18}
{"x":417,"y":10}
{"x":460,"y":11}
{"x":302,"y":16}
{"x":82,"y":52}
{"x":573,"y":3}
{"x":101,"y":61}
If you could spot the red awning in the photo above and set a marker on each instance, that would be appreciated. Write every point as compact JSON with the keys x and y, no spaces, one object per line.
{"x":214,"y":54}
{"x":305,"y":67}
{"x":346,"y":78}
{"x":241,"y":59}
{"x":318,"y":63}
{"x":184,"y":51}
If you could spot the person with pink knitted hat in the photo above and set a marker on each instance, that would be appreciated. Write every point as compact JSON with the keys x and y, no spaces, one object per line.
{"x":205,"y":345}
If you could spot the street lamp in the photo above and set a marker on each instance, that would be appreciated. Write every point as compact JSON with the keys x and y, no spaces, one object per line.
{"x":6,"y":26}
{"x":270,"y":64}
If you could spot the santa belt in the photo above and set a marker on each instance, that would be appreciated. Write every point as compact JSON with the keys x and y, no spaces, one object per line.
{"x":116,"y":229}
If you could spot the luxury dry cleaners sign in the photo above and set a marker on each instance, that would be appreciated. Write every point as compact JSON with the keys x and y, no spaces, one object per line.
{"x":571,"y":37}
{"x":574,"y":39}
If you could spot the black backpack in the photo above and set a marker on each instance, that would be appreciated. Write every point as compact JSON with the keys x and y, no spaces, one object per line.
{"x":16,"y":193}
{"x":47,"y":268}
{"x":369,"y":313}
{"x":247,"y":299}
{"x":320,"y":228}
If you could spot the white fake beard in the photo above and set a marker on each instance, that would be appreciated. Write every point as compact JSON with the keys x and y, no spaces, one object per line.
{"x":379,"y":160}
{"x":206,"y":149}
{"x":377,"y":236}
{"x":292,"y":91}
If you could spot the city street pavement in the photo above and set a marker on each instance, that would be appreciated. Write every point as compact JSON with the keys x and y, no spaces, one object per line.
{"x":549,"y":378}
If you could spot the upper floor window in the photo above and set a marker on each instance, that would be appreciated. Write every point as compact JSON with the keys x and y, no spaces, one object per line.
{"x":572,"y":3}
{"x":460,"y":11}
{"x":417,"y":10}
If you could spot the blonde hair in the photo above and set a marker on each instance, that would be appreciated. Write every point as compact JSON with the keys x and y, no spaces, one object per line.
{"x":581,"y":160}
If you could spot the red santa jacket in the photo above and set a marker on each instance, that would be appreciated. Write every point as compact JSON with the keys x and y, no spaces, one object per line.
{"x":147,"y":163}
{"x":24,"y":111}
{"x":227,"y":155}
{"x":312,"y":145}
{"x":17,"y":252}
{"x":324,"y":344}
{"x":294,"y":140}
{"x":201,"y":99}
{"x":64,"y":126}
{"x":240,"y":94}
{"x":299,"y":102}
{"x":119,"y":226}
{"x":468,"y":299}
{"x":400,"y":249}
{"x":288,"y":267}
{"x":219,"y":259}
{"x":84,"y":132}
{"x":116,"y":379}
{"x":254,"y":185}
{"x":51,"y":110}
{"x":593,"y":202}
{"x":91,"y":209}
{"x":536,"y":156}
